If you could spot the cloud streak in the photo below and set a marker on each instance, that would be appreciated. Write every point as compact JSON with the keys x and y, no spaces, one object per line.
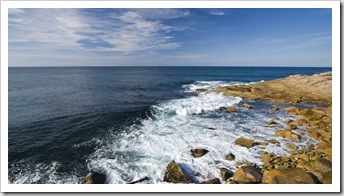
{"x":75,"y":29}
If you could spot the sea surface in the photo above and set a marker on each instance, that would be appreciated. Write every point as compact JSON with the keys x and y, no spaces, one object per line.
{"x":130,"y":122}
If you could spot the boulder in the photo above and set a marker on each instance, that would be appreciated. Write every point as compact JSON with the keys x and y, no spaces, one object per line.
{"x":222,"y":108}
{"x":230,"y":157}
{"x":272,"y":122}
{"x":292,"y":110}
{"x":201,"y":90}
{"x":226,"y":174}
{"x":212,"y":181}
{"x":198,"y":152}
{"x":246,"y":105}
{"x":232,"y":109}
{"x":247,"y":174}
{"x":327,"y":177}
{"x":248,"y":143}
{"x":288,"y":134}
{"x":322,"y":165}
{"x":287,"y":176}
{"x":276,"y":107}
{"x":292,"y":127}
{"x":94,"y":178}
{"x":289,"y":121}
{"x":300,"y":122}
{"x":175,"y":174}
{"x":273,"y":141}
{"x":261,"y":143}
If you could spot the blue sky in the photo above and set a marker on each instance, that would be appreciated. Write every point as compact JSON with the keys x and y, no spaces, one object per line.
{"x":170,"y":37}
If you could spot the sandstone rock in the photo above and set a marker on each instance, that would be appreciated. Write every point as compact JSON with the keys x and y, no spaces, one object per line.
{"x":212,"y":181}
{"x":175,"y":174}
{"x":289,"y":121}
{"x":201,"y":90}
{"x":322,"y":165}
{"x":94,"y":178}
{"x":292,"y":110}
{"x":247,"y":174}
{"x":198,"y":152}
{"x":232,"y":109}
{"x":306,"y":113}
{"x":273,"y":141}
{"x":246,"y":105}
{"x":327,"y":177}
{"x":288,"y":134}
{"x":287,"y":176}
{"x":230,"y":157}
{"x":300,"y":122}
{"x":272,"y":122}
{"x":244,"y":142}
{"x":292,"y":127}
{"x":261,"y":143}
{"x":276,"y":107}
{"x":226,"y":174}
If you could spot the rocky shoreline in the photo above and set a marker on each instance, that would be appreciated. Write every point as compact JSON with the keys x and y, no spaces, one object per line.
{"x":309,"y":164}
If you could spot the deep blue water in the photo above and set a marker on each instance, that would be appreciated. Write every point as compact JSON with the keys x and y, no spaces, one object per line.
{"x":53,"y":110}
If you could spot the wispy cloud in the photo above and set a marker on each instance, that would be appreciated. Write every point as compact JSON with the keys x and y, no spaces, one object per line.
{"x":217,"y":13}
{"x":125,"y":32}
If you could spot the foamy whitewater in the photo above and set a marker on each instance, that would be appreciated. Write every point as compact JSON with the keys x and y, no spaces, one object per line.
{"x":177,"y":126}
{"x":172,"y":130}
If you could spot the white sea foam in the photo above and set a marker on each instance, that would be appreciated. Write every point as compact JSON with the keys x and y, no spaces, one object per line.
{"x":179,"y":125}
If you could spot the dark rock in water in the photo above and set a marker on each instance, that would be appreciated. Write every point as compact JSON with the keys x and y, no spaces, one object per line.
{"x":226,"y":174}
{"x":222,"y":108}
{"x":139,"y":180}
{"x":198,"y":152}
{"x":248,"y":143}
{"x":232,"y":109}
{"x":210,"y":128}
{"x":201,"y":90}
{"x":175,"y":174}
{"x":230,"y":157}
{"x":94,"y":178}
{"x":276,"y":107}
{"x":261,"y":143}
{"x":212,"y":181}
{"x":246,"y":105}
{"x":247,"y":174}
{"x":272,"y":122}
{"x":287,"y":176}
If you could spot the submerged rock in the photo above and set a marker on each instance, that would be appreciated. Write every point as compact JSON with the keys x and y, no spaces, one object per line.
{"x":232,"y":109}
{"x":198,"y":152}
{"x":247,"y":174}
{"x":201,"y":90}
{"x":244,"y":142}
{"x":226,"y":174}
{"x":212,"y":181}
{"x":175,"y":174}
{"x":287,"y":176}
{"x":94,"y":178}
{"x":246,"y":105}
{"x":230,"y":157}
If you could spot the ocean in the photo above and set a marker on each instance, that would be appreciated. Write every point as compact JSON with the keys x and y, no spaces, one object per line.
{"x":130,"y":122}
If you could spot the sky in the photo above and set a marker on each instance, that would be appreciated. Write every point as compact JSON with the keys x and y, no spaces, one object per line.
{"x":170,"y":37}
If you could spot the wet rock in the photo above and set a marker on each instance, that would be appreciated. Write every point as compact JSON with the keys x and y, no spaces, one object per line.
{"x":212,"y":181}
{"x":288,"y":134}
{"x":276,"y":107}
{"x":94,"y":178}
{"x":289,"y":121}
{"x":292,"y":127}
{"x":232,"y":109}
{"x":272,"y":122}
{"x":226,"y":174}
{"x":244,"y":142}
{"x":230,"y":157}
{"x":273,"y":141}
{"x":175,"y":174}
{"x":198,"y":152}
{"x":222,"y":108}
{"x":287,"y":176}
{"x":247,"y":174}
{"x":292,"y":110}
{"x":246,"y":105}
{"x":201,"y":90}
{"x":261,"y":143}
